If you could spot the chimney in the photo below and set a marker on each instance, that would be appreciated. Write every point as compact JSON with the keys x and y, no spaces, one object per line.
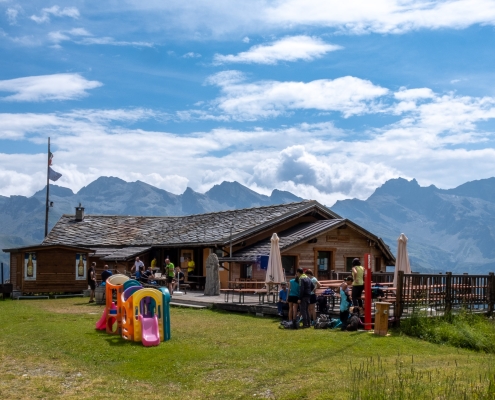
{"x":79,"y":213}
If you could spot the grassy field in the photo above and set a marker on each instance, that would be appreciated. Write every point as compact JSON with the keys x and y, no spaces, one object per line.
{"x":50,"y":349}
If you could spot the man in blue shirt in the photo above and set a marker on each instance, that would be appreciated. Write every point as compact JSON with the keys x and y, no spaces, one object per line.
{"x":282,"y":299}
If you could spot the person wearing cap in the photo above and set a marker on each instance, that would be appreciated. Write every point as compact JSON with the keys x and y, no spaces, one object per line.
{"x":358,"y":285}
{"x":282,"y":299}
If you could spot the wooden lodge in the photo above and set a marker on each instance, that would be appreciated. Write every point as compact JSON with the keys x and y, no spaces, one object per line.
{"x":311,"y":236}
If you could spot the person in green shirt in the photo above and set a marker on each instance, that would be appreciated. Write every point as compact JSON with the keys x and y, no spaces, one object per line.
{"x":170,"y":271}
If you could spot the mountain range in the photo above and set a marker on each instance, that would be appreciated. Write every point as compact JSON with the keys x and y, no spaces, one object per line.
{"x":23,"y":218}
{"x":448,"y":230}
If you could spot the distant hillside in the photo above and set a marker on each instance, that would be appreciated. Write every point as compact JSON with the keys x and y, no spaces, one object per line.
{"x":22,"y":218}
{"x":448,"y":230}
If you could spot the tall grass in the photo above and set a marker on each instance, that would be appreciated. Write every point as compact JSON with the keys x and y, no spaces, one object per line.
{"x":464,"y":330}
{"x":372,"y":380}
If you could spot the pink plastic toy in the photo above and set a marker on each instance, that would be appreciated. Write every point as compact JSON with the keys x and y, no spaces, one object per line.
{"x":150,"y":331}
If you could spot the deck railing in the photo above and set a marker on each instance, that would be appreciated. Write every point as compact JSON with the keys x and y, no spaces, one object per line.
{"x":437,"y":294}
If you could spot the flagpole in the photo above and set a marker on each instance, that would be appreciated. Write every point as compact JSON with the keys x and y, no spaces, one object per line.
{"x":47,"y":208}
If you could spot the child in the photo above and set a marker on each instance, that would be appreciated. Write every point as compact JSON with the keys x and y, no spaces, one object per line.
{"x":354,"y":321}
{"x":345,"y":301}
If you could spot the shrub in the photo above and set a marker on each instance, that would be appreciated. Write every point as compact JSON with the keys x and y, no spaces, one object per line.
{"x":464,"y":330}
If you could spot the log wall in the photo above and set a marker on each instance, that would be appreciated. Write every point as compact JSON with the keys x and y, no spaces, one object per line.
{"x":55,"y":271}
{"x":342,"y":243}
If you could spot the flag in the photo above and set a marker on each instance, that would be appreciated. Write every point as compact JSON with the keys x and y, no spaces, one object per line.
{"x":50,"y":157}
{"x":53,"y":175}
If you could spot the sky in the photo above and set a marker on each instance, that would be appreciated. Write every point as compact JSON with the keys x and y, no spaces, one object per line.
{"x":323,"y":98}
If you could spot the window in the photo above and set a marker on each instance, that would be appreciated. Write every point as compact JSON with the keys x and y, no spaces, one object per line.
{"x":289,"y":263}
{"x":324,"y":263}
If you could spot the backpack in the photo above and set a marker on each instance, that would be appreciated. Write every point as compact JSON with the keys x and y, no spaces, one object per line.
{"x":353,"y":323}
{"x":334,"y":323}
{"x":321,"y":322}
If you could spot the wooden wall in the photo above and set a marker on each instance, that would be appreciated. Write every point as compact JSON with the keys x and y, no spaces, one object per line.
{"x":14,"y":269}
{"x":55,"y":271}
{"x":342,"y":243}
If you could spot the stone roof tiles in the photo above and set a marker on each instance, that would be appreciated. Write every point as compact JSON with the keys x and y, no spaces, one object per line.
{"x":200,"y":229}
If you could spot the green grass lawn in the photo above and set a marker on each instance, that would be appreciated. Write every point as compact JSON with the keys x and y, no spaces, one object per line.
{"x":50,"y":349}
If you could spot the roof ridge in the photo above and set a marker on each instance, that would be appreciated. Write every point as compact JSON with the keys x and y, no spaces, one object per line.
{"x":193,"y":215}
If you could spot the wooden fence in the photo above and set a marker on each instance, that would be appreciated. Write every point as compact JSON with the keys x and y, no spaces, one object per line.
{"x":377,"y":277}
{"x":437,"y":294}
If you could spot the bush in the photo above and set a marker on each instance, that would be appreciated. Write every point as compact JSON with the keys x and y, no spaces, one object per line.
{"x":464,"y":330}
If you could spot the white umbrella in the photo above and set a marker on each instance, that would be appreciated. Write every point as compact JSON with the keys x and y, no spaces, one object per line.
{"x":402,"y":260}
{"x":275,"y":271}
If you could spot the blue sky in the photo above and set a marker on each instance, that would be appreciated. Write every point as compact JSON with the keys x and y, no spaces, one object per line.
{"x":326,"y":99}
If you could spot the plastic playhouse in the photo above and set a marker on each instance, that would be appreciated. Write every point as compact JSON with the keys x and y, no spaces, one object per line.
{"x":139,"y":314}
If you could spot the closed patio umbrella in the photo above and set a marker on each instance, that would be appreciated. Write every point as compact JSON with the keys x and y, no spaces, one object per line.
{"x":402,"y":260}
{"x":274,"y":271}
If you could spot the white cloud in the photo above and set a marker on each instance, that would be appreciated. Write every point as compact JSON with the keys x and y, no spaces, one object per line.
{"x":438,"y":140}
{"x":292,"y":48}
{"x":414,"y":94}
{"x":56,"y":11}
{"x":382,"y":16}
{"x":246,"y":39}
{"x":191,"y":55}
{"x":222,"y":18}
{"x":47,"y":87}
{"x":264,"y":99}
{"x":12,"y":15}
{"x":83,"y":37}
{"x":112,"y":42}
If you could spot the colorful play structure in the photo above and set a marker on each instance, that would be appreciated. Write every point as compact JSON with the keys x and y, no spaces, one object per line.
{"x":140,"y":315}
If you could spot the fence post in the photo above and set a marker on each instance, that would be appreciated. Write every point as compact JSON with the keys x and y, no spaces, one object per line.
{"x":448,"y":292}
{"x":491,"y":292}
{"x":398,"y":297}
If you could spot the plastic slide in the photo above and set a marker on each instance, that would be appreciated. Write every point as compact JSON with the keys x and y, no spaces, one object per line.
{"x":150,"y":331}
{"x":101,"y":325}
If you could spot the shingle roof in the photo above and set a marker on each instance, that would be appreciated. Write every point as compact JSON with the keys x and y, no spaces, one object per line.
{"x":288,"y":238}
{"x":300,"y":233}
{"x":200,"y":229}
{"x":125,"y":253}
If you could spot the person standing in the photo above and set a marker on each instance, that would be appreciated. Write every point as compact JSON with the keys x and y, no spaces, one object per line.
{"x":170,"y":271}
{"x":92,"y":282}
{"x":345,"y":302}
{"x":153,"y":265}
{"x":312,"y":298}
{"x":282,"y":299}
{"x":191,"y":266}
{"x":137,"y":268}
{"x":358,"y":285}
{"x":305,"y":289}
{"x":293,"y":301}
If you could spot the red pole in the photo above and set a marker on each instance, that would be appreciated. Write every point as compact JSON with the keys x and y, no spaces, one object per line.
{"x":367,"y":292}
